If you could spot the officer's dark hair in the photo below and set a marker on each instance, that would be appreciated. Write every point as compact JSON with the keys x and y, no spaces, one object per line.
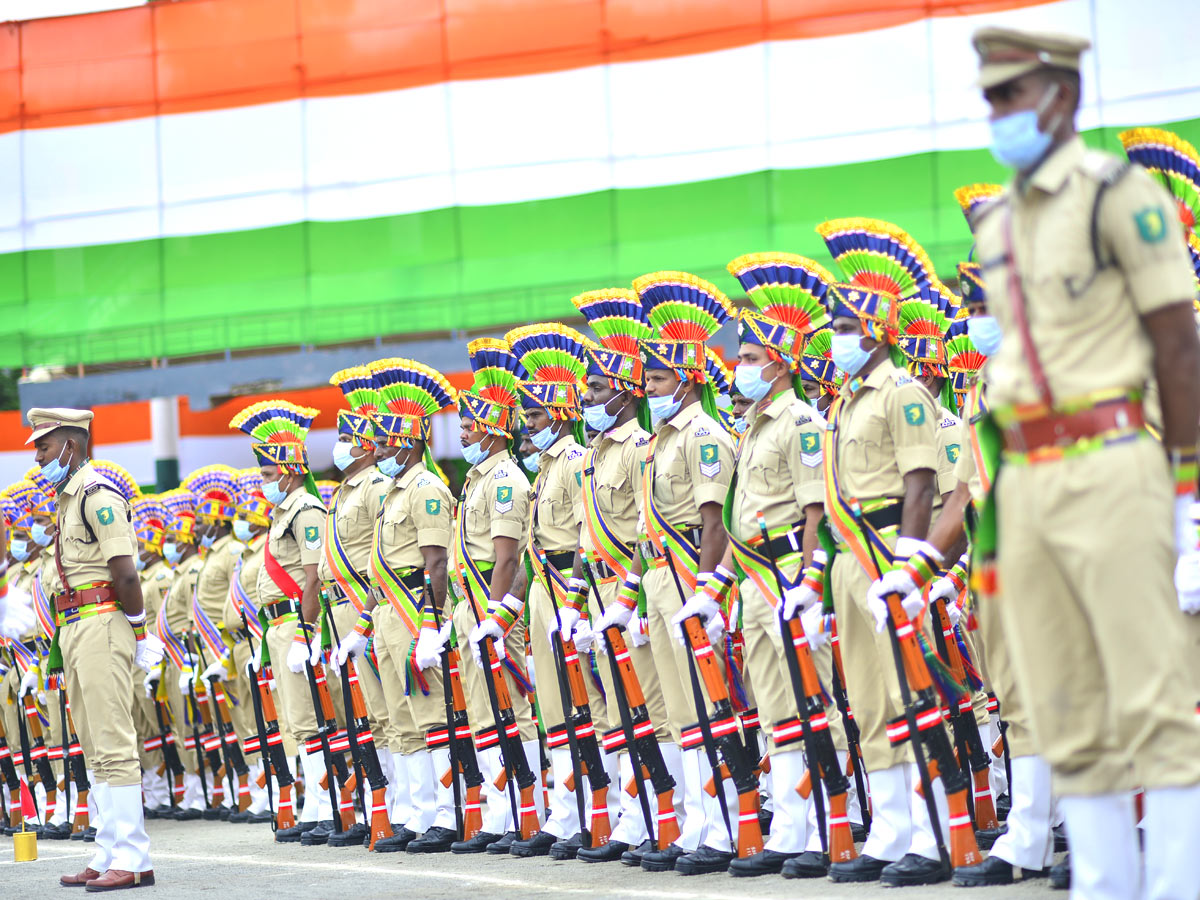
{"x":1069,"y":79}
{"x":72,"y":433}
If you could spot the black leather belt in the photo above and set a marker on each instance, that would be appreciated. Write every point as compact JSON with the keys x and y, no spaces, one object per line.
{"x":281,"y":608}
{"x":690,"y":533}
{"x":886,"y":517}
{"x":563,"y":560}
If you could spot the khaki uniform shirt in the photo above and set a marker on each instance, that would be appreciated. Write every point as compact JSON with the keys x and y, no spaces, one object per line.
{"x":965,"y":469}
{"x":1084,"y":323}
{"x":213,"y":586}
{"x":85,"y":554}
{"x":357,"y":501}
{"x":178,"y":605}
{"x":495,"y":503}
{"x":950,"y":448}
{"x":156,"y":584}
{"x":22,"y":579}
{"x":779,"y":470}
{"x":618,"y":462}
{"x":417,"y":512}
{"x":297,"y":535}
{"x":886,"y":429}
{"x":557,"y":506}
{"x":693,"y":463}
{"x":252,"y":560}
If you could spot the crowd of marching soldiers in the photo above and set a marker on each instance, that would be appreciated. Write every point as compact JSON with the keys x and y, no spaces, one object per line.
{"x":675,"y":616}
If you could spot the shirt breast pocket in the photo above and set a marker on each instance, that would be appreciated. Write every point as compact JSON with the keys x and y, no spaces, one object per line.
{"x":76,"y":535}
{"x":768,"y":470}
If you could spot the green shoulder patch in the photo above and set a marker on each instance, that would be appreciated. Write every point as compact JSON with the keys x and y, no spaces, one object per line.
{"x":1151,"y":224}
{"x":952,"y":451}
{"x":579,"y":478}
{"x":104,"y":515}
{"x":914,"y":414}
{"x":311,"y":533}
{"x":433,"y":507}
{"x":708,"y":453}
{"x":810,"y":443}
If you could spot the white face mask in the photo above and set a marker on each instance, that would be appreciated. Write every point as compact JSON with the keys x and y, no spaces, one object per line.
{"x":241,"y":530}
{"x":343,"y":455}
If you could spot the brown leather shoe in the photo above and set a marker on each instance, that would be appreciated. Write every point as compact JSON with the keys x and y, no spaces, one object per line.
{"x":78,"y":880}
{"x":118,"y":880}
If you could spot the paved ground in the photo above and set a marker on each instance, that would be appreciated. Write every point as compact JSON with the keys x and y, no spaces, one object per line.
{"x":197,"y":858}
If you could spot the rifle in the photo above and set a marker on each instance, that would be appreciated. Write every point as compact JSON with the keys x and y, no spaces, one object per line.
{"x":362,"y":742}
{"x":721,"y":734}
{"x":838,"y":846}
{"x":854,"y":761}
{"x":9,"y":774}
{"x":921,"y":722}
{"x":79,"y":773}
{"x":270,"y":741}
{"x":172,"y":764}
{"x":326,"y":730}
{"x":516,"y":766}
{"x":197,"y":739}
{"x":577,"y":722}
{"x":971,"y":755}
{"x":468,"y":821}
{"x":1000,"y":745}
{"x":645,"y":756}
{"x":235,"y":762}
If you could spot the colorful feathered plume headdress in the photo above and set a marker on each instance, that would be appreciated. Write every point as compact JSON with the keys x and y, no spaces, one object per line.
{"x":119,"y":476}
{"x":409,"y":394}
{"x":215,"y":489}
{"x":491,"y":403}
{"x":970,"y":283}
{"x":716,"y":372}
{"x":358,"y":385}
{"x":963,"y":360}
{"x":816,"y":362}
{"x":686,"y":312}
{"x":555,"y":357}
{"x":252,"y":503}
{"x":181,"y":514}
{"x":46,"y":501}
{"x":19,"y":499}
{"x":973,"y":197}
{"x":619,"y":322}
{"x":1173,"y":162}
{"x":150,"y":521}
{"x":789,"y":293}
{"x":923,"y":321}
{"x":1194,"y":250}
{"x":327,"y":489}
{"x":279,"y":429}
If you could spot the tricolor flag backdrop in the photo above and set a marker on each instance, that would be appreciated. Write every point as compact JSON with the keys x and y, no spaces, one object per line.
{"x":189,"y":177}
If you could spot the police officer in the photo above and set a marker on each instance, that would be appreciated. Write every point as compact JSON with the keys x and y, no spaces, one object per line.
{"x":1089,"y":281}
{"x":94,"y":580}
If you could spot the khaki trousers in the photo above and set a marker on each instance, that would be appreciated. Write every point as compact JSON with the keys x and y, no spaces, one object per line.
{"x":345,"y":616}
{"x":1085,"y":564}
{"x":479,"y":708}
{"x":410,"y":717}
{"x":295,"y":704}
{"x":98,"y":661}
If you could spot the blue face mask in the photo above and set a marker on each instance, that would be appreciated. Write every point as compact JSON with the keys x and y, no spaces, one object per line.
{"x":172,"y":552}
{"x":662,"y":408}
{"x":208,"y":540}
{"x":544,"y":438}
{"x":343,"y":455}
{"x":1017,"y":141}
{"x":985,"y":334}
{"x":749,"y":381}
{"x":56,"y":471}
{"x":474,"y":453}
{"x":19,"y":550}
{"x":138,"y":563}
{"x":38,"y":533}
{"x":389,"y":467}
{"x":598,"y":418}
{"x":273,"y":492}
{"x":241,"y":530}
{"x":532,"y":463}
{"x":740,"y":425}
{"x":848,"y":354}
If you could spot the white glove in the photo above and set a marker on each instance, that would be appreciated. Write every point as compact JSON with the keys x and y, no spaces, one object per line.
{"x":16,"y":613}
{"x":639,"y":632}
{"x":584,"y":636}
{"x":298,"y":654}
{"x":352,"y":646}
{"x":186,"y":679}
{"x":429,"y":648}
{"x":897,"y":581}
{"x":715,"y":629}
{"x":954,"y":612}
{"x":530,"y":671}
{"x":798,"y":599}
{"x":568,"y":617}
{"x":943,"y":589}
{"x":149,"y":652}
{"x":1187,"y":511}
{"x":150,"y":683}
{"x":813,"y":622}
{"x":214,"y":672}
{"x":1187,"y":582}
{"x":488,"y":628}
{"x":701,"y":605}
{"x":253,"y":664}
{"x":28,"y":681}
{"x":444,"y":632}
{"x":614,"y":614}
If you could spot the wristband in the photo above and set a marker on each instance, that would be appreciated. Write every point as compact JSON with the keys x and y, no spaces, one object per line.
{"x":814,"y":575}
{"x":365,"y":626}
{"x":507,"y":613}
{"x":1184,"y":470}
{"x":922,"y":564}
{"x":627,"y":595}
{"x":577,"y":589}
{"x":717,"y":584}
{"x":138,"y":623}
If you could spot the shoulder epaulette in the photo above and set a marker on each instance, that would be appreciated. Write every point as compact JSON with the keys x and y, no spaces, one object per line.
{"x":902,"y":378}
